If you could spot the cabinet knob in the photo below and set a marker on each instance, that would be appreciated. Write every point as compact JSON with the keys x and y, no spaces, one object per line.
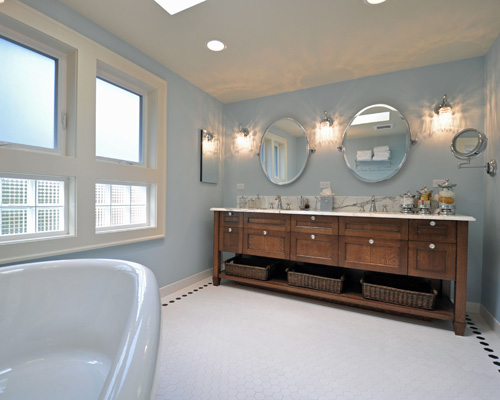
{"x":371,"y":241}
{"x":313,"y":237}
{"x":432,"y":246}
{"x":432,"y":223}
{"x":230,"y":230}
{"x":265,"y":233}
{"x":230,"y":213}
{"x":313,"y":218}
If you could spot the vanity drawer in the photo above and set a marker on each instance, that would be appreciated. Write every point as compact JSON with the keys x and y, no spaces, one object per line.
{"x":231,"y":218}
{"x":315,"y":224}
{"x":433,"y":231}
{"x":373,"y":254}
{"x":230,"y":239}
{"x":263,"y":221}
{"x":314,"y":248}
{"x":383,"y":228}
{"x":432,"y":260}
{"x":266,"y":243}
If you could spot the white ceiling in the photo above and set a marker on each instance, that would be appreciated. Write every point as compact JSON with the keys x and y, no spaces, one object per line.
{"x":276,"y":46}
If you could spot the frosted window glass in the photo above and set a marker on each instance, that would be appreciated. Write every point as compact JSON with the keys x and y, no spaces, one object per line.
{"x":28,"y":96}
{"x":118,"y":123}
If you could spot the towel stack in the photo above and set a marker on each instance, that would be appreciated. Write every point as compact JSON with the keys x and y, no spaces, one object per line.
{"x":381,"y":153}
{"x":364,"y":155}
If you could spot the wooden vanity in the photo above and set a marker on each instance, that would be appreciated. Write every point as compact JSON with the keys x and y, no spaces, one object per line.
{"x":430,"y":246}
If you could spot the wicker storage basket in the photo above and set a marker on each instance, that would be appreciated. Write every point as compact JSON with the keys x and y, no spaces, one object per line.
{"x":405,"y":291}
{"x":254,"y":267}
{"x":329,"y":279}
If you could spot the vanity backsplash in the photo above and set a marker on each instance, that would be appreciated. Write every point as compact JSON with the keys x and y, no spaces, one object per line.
{"x":390,"y":204}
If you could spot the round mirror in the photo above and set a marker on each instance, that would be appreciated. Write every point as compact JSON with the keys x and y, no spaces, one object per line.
{"x":376,"y":143}
{"x":468,"y":143}
{"x":284,"y":151}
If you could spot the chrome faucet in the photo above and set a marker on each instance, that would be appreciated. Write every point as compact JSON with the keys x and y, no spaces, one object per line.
{"x":279,"y":206}
{"x":373,"y":206}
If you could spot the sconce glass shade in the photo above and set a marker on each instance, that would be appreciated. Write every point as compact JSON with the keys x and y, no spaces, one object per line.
{"x":243,"y":139}
{"x":444,"y":113}
{"x":326,"y":129}
{"x":209,"y":145}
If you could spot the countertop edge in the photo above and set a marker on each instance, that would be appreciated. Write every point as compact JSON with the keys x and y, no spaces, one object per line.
{"x":350,"y":214}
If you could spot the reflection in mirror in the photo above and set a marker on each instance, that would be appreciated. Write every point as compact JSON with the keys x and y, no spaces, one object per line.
{"x":284,"y":151}
{"x":209,"y":166}
{"x":376,"y":143}
{"x":468,"y":143}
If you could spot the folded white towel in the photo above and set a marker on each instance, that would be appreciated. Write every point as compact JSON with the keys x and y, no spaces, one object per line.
{"x":382,"y":153}
{"x":382,"y":156}
{"x":380,"y":148}
{"x":364,"y":155}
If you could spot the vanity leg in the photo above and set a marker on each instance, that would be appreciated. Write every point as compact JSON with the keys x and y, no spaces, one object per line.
{"x":461,"y":279}
{"x":217,"y":253}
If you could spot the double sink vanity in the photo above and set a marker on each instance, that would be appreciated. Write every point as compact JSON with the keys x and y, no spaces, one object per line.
{"x":426,"y":246}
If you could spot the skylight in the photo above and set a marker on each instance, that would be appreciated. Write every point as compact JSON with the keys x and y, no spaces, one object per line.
{"x":175,"y":6}
{"x":369,"y":118}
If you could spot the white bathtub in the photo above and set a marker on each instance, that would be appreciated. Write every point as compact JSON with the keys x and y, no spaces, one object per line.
{"x":78,"y":330}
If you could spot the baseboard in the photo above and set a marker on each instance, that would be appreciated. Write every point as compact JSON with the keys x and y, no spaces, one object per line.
{"x":490,"y":320}
{"x":183,"y":283}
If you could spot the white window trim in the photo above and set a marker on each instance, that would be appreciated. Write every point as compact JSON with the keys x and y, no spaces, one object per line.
{"x":77,"y":162}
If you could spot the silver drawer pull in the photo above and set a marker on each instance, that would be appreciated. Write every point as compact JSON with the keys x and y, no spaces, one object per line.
{"x":313,"y":237}
{"x":313,"y":218}
{"x":432,"y":246}
{"x":265,"y":233}
{"x":230,"y":213}
{"x":432,"y":223}
{"x":371,"y":241}
{"x":230,"y":230}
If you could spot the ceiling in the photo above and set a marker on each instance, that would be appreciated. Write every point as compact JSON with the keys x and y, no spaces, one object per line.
{"x":276,"y":46}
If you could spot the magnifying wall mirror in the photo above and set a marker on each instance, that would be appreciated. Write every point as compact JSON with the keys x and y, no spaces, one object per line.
{"x":470,"y":143}
{"x":284,"y":151}
{"x":376,"y":143}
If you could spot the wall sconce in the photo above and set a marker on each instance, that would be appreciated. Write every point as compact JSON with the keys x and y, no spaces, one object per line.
{"x":326,"y":129}
{"x":444,"y":114}
{"x":243,"y":139}
{"x":208,"y":142}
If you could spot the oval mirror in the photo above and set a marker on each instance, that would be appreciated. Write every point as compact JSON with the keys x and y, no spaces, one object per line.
{"x":376,"y":143}
{"x":468,"y":143}
{"x":284,"y":151}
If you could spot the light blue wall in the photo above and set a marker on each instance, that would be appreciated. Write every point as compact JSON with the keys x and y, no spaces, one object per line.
{"x":414,"y":92}
{"x":187,"y":248}
{"x":491,"y":269}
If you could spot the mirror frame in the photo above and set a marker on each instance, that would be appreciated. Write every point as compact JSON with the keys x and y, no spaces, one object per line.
{"x":308,"y":152}
{"x":476,"y":151}
{"x":410,"y":141}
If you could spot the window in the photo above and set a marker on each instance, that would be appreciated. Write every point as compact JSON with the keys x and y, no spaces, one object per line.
{"x":30,"y":206}
{"x":118,"y":122}
{"x":120,"y":206}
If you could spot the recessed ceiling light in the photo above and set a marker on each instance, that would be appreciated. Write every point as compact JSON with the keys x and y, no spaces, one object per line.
{"x":373,"y":2}
{"x":216,"y":45}
{"x":175,"y":6}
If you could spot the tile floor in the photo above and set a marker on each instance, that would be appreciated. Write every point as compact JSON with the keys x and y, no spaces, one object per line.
{"x":235,"y":342}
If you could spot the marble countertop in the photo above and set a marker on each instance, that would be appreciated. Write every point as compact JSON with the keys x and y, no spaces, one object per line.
{"x":350,"y":214}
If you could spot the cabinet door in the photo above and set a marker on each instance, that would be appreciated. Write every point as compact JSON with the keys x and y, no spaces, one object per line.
{"x":373,"y":254}
{"x":386,"y":228}
{"x":230,"y":239}
{"x":433,"y":231}
{"x":315,"y":224}
{"x":266,"y":243}
{"x":314,"y":248}
{"x":432,"y":260}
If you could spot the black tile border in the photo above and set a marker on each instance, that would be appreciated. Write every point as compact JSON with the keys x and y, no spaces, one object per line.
{"x":482,"y":341}
{"x":170,"y":302}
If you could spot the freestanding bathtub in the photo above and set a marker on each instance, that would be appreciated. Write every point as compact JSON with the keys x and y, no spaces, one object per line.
{"x":78,"y":330}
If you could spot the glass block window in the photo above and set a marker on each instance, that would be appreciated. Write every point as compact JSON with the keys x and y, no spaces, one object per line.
{"x":28,"y":86}
{"x":31,"y":206}
{"x":118,"y":122}
{"x":120,"y":205}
